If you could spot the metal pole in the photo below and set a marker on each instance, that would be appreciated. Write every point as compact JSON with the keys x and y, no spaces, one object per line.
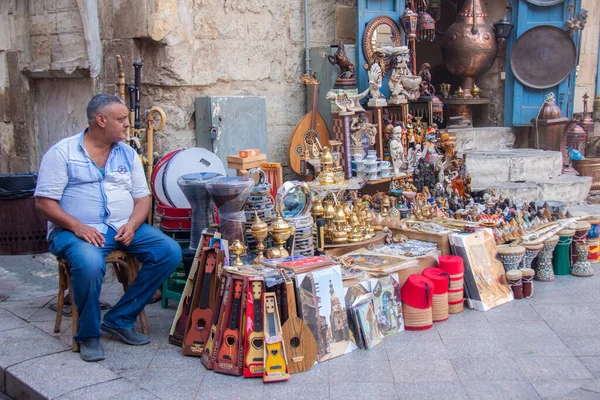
{"x":306,"y":38}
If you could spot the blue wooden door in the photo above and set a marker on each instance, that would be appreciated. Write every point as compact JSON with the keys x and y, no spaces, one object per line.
{"x":367,"y":10}
{"x":522,"y":103}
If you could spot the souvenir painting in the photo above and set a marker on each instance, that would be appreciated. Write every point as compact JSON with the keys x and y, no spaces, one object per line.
{"x":351,"y":293}
{"x":485,"y":279}
{"x":366,"y":319}
{"x":388,"y":307}
{"x":320,"y":294}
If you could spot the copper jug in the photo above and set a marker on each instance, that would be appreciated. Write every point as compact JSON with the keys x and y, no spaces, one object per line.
{"x":469,"y":47}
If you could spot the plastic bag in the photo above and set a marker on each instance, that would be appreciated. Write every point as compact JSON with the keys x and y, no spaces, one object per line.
{"x":17,"y":186}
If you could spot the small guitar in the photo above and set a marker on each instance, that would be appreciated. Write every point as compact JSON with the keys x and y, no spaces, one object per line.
{"x":228,"y":353}
{"x":213,"y":330}
{"x":275,"y":362}
{"x":256,"y":338}
{"x":202,"y":316}
{"x":300,"y":344}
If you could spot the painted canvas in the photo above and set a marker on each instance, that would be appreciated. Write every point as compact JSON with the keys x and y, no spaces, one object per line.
{"x":320,"y":296}
{"x":388,"y":307}
{"x":370,"y":334}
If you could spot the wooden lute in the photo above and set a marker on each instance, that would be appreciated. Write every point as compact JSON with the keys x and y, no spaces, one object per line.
{"x":300,"y":344}
{"x":311,"y":127}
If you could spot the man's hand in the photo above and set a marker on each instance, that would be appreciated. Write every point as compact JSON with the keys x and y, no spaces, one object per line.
{"x":125,"y":233}
{"x":89,"y":234}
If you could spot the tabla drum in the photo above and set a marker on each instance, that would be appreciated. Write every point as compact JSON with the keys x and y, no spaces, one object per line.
{"x":183,"y":162}
{"x":174,"y":218}
{"x":156,"y":178}
{"x":510,"y":256}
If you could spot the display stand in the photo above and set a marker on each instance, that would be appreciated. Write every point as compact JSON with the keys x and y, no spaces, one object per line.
{"x":463,"y":107}
{"x":336,"y":250}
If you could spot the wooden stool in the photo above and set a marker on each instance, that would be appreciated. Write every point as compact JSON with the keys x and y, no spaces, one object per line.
{"x":126,"y":270}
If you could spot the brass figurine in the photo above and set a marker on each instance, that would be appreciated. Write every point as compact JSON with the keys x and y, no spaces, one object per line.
{"x":280,"y":231}
{"x":237,"y":248}
{"x":260,"y":231}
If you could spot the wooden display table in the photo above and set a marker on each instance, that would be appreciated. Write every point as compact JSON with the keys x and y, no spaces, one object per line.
{"x":441,"y":240}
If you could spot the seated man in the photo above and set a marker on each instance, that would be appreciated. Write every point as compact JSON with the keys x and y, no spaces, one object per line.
{"x":93,"y":190}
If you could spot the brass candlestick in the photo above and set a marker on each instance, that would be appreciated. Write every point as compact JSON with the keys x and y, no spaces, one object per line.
{"x":280,"y":231}
{"x":237,"y":248}
{"x":260,"y":231}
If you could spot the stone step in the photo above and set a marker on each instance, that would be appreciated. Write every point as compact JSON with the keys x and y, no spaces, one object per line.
{"x":566,"y":188}
{"x":516,"y":165}
{"x":483,"y":139}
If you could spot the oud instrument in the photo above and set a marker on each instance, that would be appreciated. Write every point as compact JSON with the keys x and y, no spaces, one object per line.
{"x":228,"y":353}
{"x":300,"y":344}
{"x":310,"y":133}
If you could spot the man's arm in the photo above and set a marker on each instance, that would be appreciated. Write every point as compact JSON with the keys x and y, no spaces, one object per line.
{"x":54,"y":212}
{"x":51,"y":182}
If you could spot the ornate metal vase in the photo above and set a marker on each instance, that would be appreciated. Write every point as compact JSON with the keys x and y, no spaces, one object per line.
{"x":469,"y":47}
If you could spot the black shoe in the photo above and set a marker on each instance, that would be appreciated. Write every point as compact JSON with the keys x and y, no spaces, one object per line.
{"x":129,"y":335}
{"x":90,"y":349}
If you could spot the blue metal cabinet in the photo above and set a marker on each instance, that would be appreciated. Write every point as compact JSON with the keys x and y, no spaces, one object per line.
{"x":522,"y":103}
{"x":226,"y":125}
{"x":367,"y":10}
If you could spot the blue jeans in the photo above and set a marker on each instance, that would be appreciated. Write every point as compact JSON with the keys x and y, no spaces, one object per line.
{"x":159,"y":254}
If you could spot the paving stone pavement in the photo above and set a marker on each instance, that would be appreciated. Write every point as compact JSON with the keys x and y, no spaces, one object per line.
{"x":547,"y":347}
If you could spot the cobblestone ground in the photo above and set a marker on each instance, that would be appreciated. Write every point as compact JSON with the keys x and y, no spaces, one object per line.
{"x":544,"y":347}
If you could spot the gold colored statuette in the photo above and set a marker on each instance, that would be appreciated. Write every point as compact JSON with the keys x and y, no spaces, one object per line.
{"x":280,"y":231}
{"x":260,"y":231}
{"x":237,"y":248}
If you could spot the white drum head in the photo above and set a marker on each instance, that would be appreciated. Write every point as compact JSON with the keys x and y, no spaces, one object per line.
{"x":157,"y":178}
{"x":187,"y":161}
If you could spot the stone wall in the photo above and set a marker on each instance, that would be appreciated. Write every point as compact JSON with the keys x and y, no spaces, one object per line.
{"x":190,"y":48}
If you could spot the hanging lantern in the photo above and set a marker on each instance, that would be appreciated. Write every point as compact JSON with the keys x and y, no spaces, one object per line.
{"x":421,"y":6}
{"x":409,"y":23}
{"x":426,"y":27}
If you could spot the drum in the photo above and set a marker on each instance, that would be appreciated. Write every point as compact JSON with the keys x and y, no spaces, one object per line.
{"x":156,"y":178}
{"x":193,"y":186}
{"x":581,"y":266}
{"x":514,"y":278}
{"x":510,"y":256}
{"x":593,"y":240}
{"x":179,"y":163}
{"x":417,"y":296}
{"x":582,"y":229}
{"x":528,"y":275}
{"x":174,"y":218}
{"x":230,"y":195}
{"x":531,"y":252}
{"x":562,"y":257}
{"x":441,"y":283}
{"x":544,"y":269}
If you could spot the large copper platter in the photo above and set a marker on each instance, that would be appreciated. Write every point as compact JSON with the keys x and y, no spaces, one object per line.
{"x":543,"y":57}
{"x":545,"y":2}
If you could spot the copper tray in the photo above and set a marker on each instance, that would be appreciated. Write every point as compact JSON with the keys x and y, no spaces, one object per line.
{"x":543,"y":57}
{"x":545,"y":2}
